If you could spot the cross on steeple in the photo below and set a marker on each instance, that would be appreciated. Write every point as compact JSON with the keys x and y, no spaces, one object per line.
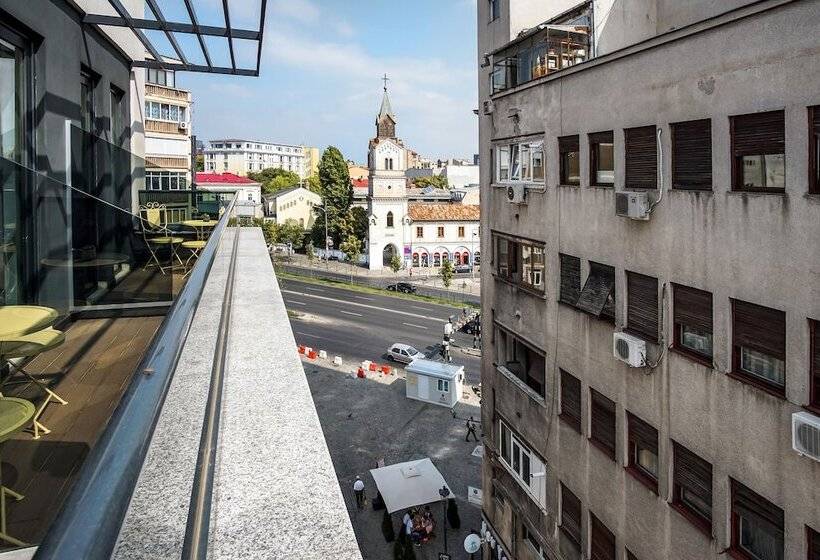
{"x":385,"y":79}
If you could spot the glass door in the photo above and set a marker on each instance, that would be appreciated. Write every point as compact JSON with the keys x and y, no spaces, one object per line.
{"x":13,"y":95}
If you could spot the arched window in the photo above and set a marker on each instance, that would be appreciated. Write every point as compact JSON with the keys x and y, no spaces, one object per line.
{"x":390,"y":219}
{"x":415,"y":259}
{"x":436,"y":259}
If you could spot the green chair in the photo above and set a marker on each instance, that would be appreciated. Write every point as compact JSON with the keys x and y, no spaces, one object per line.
{"x":15,"y":414}
{"x":155,"y":232}
{"x":24,"y":347}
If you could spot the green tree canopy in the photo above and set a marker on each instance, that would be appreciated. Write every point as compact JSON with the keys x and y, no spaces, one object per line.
{"x":447,"y":272}
{"x":334,"y":182}
{"x":274,"y":179}
{"x":291,"y":232}
{"x":437,"y":181}
{"x":313,"y":184}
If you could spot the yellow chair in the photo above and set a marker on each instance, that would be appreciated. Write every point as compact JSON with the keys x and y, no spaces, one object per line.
{"x":155,"y":232}
{"x":14,"y":415}
{"x":24,"y":347}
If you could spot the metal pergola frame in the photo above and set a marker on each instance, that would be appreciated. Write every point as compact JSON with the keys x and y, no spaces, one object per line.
{"x":137,"y":25}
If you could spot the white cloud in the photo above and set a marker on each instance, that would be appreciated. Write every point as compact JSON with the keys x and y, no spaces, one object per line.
{"x":304,"y":11}
{"x":344,"y":29}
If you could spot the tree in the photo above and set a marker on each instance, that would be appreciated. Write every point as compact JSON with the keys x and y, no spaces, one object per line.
{"x":352,"y":247}
{"x":312,"y":184}
{"x":387,"y":527}
{"x":310,"y":253}
{"x":274,"y":179}
{"x":447,"y":272}
{"x":291,"y":232}
{"x":337,"y":197}
{"x":200,"y":163}
{"x":452,"y":514}
{"x":395,"y":264}
{"x":437,"y":181}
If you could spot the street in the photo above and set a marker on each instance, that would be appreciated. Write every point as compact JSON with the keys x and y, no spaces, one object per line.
{"x":359,"y":326}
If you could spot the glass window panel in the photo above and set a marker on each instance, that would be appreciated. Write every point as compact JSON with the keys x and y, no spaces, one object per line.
{"x":696,"y":340}
{"x":695,"y":502}
{"x":764,"y":171}
{"x":648,"y":461}
{"x":155,"y":110}
{"x":539,"y":60}
{"x":525,"y":468}
{"x":759,"y":540}
{"x":605,"y":163}
{"x":515,"y":163}
{"x":763,"y":366}
{"x":505,"y":444}
{"x":525,"y":162}
{"x":503,"y":158}
{"x":174,"y":113}
{"x":165,"y":112}
{"x":537,"y":163}
{"x":571,"y":163}
{"x":174,"y":182}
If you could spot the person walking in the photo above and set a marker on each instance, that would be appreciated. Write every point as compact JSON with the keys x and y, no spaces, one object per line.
{"x":358,"y":490}
{"x":471,"y":429}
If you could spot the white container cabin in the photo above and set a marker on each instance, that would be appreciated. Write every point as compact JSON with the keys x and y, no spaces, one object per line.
{"x":434,"y":382}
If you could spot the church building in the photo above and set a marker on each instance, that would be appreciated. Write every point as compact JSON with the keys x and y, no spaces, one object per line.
{"x":422,"y":228}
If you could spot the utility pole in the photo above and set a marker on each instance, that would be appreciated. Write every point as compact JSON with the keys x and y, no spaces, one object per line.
{"x":444,"y":492}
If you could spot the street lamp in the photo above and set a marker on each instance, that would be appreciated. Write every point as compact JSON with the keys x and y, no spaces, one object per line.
{"x":327,"y":241}
{"x":472,"y":255}
{"x":444,"y":492}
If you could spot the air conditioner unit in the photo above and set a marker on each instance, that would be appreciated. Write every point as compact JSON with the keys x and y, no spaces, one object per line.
{"x":517,"y":194}
{"x":632,"y":204}
{"x":806,"y":434}
{"x":629,"y":349}
{"x":489,"y":107}
{"x":183,"y":126}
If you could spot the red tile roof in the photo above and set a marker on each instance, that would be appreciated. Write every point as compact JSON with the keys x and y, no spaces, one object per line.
{"x":223,"y":179}
{"x":429,"y":212}
{"x":359,"y":183}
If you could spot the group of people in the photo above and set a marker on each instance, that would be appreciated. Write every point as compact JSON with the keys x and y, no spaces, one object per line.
{"x":419,"y":525}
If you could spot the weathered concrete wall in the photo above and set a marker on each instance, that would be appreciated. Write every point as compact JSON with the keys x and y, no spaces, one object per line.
{"x":754,"y":247}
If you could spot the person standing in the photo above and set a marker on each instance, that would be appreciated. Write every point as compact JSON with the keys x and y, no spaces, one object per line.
{"x":471,"y":429}
{"x":358,"y":490}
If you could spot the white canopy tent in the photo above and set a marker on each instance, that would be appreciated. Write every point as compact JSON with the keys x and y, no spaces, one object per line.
{"x":409,"y":484}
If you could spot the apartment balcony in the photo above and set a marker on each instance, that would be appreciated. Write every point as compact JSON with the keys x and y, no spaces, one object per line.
{"x":538,"y":53}
{"x":165,"y":127}
{"x":188,"y":424}
{"x":167,"y":93}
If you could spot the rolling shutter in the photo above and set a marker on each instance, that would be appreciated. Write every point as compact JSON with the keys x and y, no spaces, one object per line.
{"x":692,"y":307}
{"x":815,"y":364}
{"x":601,"y":137}
{"x":693,"y":473}
{"x":603,"y":422}
{"x":642,"y":305}
{"x":568,"y":144}
{"x":571,"y":400}
{"x":603,"y":541}
{"x":643,"y":434}
{"x":814,"y":545}
{"x":759,"y":133}
{"x":571,"y":515}
{"x":692,"y":155}
{"x":641,"y":158}
{"x":760,"y":328}
{"x":751,"y":505}
{"x":599,"y":286}
{"x":570,"y":279}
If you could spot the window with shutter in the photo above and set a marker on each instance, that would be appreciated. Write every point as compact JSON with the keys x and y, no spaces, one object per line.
{"x":642,"y":305}
{"x":759,"y":346}
{"x":813,"y":543}
{"x":602,"y":424}
{"x":759,"y":152}
{"x":520,"y":261}
{"x":521,"y":360}
{"x":602,"y":541}
{"x":692,"y":318}
{"x":692,"y":487}
{"x":643,"y":451}
{"x":757,"y":525}
{"x":641,"y":158}
{"x":571,"y":517}
{"x":571,"y":400}
{"x":570,"y":279}
{"x":630,"y":556}
{"x":692,"y":155}
{"x":601,"y":159}
{"x":569,"y":160}
{"x":598,"y":295}
{"x":814,"y":150}
{"x":814,"y":365}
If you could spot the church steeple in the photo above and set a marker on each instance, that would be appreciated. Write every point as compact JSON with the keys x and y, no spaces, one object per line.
{"x":386,"y":121}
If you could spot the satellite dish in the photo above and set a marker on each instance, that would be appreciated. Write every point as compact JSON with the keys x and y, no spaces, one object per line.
{"x":472,"y":543}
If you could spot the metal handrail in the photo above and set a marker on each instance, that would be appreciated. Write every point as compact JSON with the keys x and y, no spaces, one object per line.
{"x":89,"y":522}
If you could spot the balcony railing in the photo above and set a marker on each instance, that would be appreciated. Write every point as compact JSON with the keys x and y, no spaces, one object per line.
{"x":551,"y":49}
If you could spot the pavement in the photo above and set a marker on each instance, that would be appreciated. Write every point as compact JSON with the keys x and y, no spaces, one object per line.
{"x":358,"y":326}
{"x":464,"y":287}
{"x":367,"y":420}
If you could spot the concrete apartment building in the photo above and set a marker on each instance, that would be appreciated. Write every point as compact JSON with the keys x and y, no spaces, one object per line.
{"x":245,"y":156}
{"x":167,"y":132}
{"x":708,"y":113}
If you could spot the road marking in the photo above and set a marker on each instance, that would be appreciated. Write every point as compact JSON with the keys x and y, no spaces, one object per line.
{"x":412,"y":325}
{"x":307,"y":334}
{"x":295,"y":302}
{"x":364,"y":298}
{"x":350,"y":313}
{"x":376,"y":307}
{"x":314,"y":289}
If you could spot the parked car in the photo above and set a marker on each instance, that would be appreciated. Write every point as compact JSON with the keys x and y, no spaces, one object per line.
{"x":463,"y":268}
{"x":403,"y":287}
{"x":403,"y":353}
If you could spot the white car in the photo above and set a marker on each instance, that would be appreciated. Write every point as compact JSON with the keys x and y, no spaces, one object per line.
{"x":403,"y":353}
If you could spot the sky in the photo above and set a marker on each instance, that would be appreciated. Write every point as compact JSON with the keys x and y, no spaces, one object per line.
{"x":322,"y":63}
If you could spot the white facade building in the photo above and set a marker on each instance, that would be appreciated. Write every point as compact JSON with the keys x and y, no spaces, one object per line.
{"x":422,"y":234}
{"x":231,"y":155}
{"x":167,"y":133}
